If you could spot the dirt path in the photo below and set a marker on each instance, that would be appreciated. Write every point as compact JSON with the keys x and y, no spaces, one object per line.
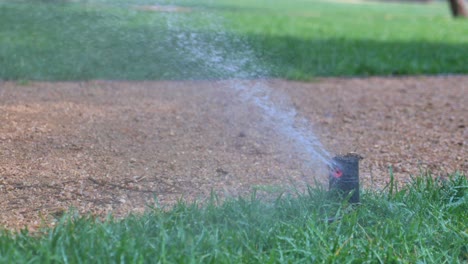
{"x":106,"y":146}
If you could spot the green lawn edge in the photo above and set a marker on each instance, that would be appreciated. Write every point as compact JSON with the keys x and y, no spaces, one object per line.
{"x":421,"y":222}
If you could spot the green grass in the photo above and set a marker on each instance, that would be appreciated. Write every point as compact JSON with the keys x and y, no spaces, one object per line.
{"x":424,"y":222}
{"x":103,"y":39}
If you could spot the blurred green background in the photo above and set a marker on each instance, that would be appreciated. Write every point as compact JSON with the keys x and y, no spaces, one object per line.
{"x":294,"y":39}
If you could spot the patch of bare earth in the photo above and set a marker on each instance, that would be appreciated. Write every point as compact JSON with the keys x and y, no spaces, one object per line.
{"x":105,"y":146}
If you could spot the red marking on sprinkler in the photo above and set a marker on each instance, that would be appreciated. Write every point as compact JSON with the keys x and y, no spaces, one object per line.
{"x":337,"y":173}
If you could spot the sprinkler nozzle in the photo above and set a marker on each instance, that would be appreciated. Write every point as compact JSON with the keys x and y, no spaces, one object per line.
{"x":344,"y":176}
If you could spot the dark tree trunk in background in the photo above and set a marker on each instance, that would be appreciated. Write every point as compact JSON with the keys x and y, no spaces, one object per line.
{"x":458,"y":8}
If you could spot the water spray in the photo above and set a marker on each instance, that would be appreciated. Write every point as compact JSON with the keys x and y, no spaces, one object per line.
{"x":344,"y":176}
{"x":245,"y":77}
{"x":238,"y":66}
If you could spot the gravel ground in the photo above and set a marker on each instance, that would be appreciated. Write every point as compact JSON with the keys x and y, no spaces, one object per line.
{"x":108,"y":146}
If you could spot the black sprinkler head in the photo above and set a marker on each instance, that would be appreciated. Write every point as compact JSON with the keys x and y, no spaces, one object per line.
{"x":344,"y":176}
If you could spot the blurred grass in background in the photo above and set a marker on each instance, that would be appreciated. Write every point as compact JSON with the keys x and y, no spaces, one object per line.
{"x":102,"y":39}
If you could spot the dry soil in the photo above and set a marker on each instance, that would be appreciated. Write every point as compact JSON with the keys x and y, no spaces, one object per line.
{"x":115,"y":147}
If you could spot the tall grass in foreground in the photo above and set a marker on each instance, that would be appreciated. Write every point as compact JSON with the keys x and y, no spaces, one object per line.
{"x":424,"y":222}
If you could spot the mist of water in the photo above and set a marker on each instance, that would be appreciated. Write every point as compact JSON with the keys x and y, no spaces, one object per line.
{"x":245,"y":76}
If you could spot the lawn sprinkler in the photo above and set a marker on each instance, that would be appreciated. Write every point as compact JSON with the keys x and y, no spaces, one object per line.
{"x":344,"y":176}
